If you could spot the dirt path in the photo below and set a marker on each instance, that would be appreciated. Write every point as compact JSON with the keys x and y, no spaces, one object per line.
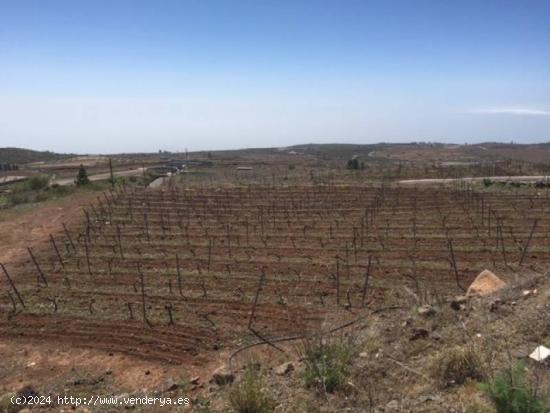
{"x":102,"y":176}
{"x":529,"y":178}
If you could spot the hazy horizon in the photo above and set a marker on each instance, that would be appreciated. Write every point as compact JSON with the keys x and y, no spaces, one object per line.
{"x":136,"y":76}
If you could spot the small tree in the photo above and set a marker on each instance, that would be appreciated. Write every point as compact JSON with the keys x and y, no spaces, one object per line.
{"x":82,"y":177}
{"x":353,"y":163}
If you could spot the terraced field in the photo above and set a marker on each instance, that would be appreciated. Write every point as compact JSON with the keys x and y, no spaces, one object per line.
{"x":179,"y":274}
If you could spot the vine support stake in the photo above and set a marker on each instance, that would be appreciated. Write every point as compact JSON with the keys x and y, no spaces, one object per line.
{"x":260,"y":283}
{"x":57,"y":251}
{"x":12,"y":284}
{"x":40,"y":273}
{"x":67,"y":233}
{"x":366,"y":283}
{"x":528,"y":241}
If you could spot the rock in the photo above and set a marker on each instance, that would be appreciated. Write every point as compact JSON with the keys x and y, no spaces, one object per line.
{"x":394,"y":404}
{"x":541,"y":353}
{"x":170,"y":385}
{"x":27,"y":392}
{"x":426,"y":310}
{"x":284,"y":368}
{"x":429,"y":398}
{"x":529,"y":293}
{"x":419,"y":333}
{"x":222,"y":376}
{"x":495,"y":305}
{"x":459,"y":302}
{"x":436,"y":336}
{"x":363,"y":354}
{"x":520,"y":353}
{"x":195,"y":380}
{"x":407,"y":322}
{"x":485,"y":283}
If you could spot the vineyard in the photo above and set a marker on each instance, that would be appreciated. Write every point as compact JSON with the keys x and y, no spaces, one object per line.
{"x":180,"y":273}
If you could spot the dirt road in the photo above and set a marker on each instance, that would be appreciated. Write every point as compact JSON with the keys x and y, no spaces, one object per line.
{"x":102,"y":176}
{"x":525,"y":178}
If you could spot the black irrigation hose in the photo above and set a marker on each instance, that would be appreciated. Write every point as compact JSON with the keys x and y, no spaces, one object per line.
{"x":306,"y":336}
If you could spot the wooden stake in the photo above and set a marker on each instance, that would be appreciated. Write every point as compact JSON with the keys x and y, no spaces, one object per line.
{"x":366,"y":283}
{"x":528,"y":241}
{"x":69,"y":237}
{"x":144,"y":304}
{"x":57,"y":251}
{"x":40,"y":273}
{"x":10,"y":281}
{"x":260,"y":283}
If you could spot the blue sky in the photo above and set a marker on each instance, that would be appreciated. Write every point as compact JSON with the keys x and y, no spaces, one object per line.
{"x":112,"y":76}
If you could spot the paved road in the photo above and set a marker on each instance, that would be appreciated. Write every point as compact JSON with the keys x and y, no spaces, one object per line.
{"x":101,"y":177}
{"x":525,"y":178}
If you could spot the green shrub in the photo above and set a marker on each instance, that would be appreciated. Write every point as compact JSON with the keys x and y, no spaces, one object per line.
{"x":512,"y":392}
{"x":82,"y":177}
{"x":459,"y":364}
{"x":17,"y":198}
{"x":6,"y":406}
{"x":487,"y":182}
{"x":202,"y":406}
{"x":38,"y":182}
{"x":250,"y":394}
{"x":58,"y":190}
{"x":327,"y":365}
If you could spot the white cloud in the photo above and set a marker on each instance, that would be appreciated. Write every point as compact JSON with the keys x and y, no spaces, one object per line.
{"x":513,"y":111}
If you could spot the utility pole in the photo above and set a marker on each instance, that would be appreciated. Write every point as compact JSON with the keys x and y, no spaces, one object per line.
{"x":111,"y":170}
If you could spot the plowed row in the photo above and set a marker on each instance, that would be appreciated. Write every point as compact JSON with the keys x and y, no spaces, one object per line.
{"x":174,"y":275}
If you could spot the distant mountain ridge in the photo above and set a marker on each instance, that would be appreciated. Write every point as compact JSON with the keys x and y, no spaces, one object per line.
{"x":22,"y":156}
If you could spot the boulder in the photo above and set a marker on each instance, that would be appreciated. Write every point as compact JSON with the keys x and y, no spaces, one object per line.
{"x":485,"y":283}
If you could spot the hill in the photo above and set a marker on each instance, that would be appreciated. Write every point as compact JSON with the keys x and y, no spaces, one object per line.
{"x":22,"y":156}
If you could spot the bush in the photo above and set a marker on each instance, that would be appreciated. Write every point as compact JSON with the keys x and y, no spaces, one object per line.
{"x":512,"y":392}
{"x":327,"y":365}
{"x":58,"y":190}
{"x":250,"y":395}
{"x":82,"y":177}
{"x":6,"y":406}
{"x":353,"y":164}
{"x":37,"y":182}
{"x":487,"y":182}
{"x":17,"y":198}
{"x":458,"y":365}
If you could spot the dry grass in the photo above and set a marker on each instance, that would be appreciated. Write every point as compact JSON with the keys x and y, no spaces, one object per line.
{"x":459,"y":364}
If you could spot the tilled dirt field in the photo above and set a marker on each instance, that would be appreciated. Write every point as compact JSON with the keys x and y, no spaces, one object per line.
{"x":183,"y":275}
